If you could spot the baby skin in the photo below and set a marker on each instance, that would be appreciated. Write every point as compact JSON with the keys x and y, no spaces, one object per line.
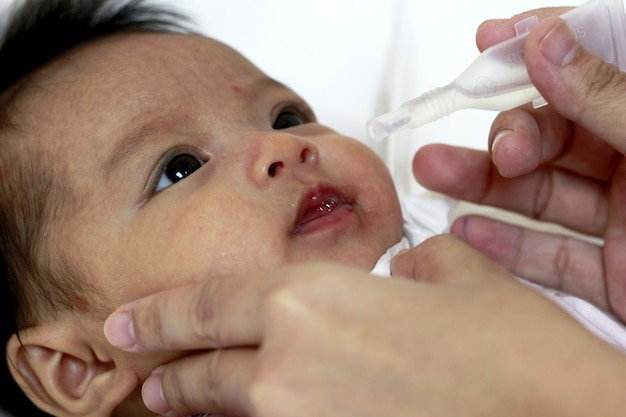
{"x":183,"y":162}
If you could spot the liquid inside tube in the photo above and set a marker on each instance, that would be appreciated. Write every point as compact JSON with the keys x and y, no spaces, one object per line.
{"x":441,"y":102}
{"x":421,"y":110}
{"x":498,"y":78}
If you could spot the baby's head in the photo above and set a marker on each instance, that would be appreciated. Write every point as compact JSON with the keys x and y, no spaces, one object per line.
{"x":136,"y":157}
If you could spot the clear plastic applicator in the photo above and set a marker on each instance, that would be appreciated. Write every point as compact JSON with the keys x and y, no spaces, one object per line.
{"x":498,"y":79}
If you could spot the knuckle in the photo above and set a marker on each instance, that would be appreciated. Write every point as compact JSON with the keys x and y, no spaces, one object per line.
{"x":261,"y":394}
{"x":173,"y":390}
{"x":598,"y":76}
{"x":212,"y":386}
{"x":600,"y":84}
{"x":181,"y":390}
{"x":286,"y":299}
{"x":268,"y":389}
{"x":600,"y":215}
{"x":542,"y":195}
{"x":298,"y":293}
{"x":150,"y":324}
{"x":562,"y":264}
{"x":204,"y":315}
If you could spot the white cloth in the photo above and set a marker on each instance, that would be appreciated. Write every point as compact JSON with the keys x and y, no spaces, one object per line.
{"x":428,"y":214}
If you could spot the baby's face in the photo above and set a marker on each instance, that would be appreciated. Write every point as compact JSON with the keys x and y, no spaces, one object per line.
{"x":188,"y":163}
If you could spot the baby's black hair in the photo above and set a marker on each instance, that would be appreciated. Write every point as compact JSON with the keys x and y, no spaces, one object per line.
{"x":35,"y":33}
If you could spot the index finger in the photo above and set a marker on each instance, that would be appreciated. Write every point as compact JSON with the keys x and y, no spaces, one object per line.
{"x":522,"y":139}
{"x":218,"y":312}
{"x":546,"y":194}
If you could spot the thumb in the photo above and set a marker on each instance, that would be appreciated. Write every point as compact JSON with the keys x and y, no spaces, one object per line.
{"x":578,"y":85}
{"x":446,"y":259}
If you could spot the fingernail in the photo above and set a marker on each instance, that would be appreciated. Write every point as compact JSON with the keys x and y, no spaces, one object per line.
{"x":120,"y":331}
{"x":463,"y":230}
{"x":498,"y":138}
{"x":152,"y":394}
{"x":459,"y":227}
{"x":559,"y":46}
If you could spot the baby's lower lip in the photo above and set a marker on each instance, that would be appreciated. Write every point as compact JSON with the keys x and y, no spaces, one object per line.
{"x":323,"y":210}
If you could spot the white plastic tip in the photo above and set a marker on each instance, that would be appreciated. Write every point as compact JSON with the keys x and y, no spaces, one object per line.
{"x":384,"y":125}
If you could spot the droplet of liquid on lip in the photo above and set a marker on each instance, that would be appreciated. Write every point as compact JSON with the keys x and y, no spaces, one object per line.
{"x":323,"y":205}
{"x":329,"y":204}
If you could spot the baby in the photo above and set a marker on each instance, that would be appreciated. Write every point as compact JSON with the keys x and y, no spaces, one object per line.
{"x":138,"y":156}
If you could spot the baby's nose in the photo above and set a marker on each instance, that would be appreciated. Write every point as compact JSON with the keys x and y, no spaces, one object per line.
{"x":282,"y":154}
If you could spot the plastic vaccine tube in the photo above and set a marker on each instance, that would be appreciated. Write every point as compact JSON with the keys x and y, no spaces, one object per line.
{"x":498,"y":78}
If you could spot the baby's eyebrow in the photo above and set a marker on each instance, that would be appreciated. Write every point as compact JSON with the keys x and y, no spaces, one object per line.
{"x":129,"y":144}
{"x":140,"y":132}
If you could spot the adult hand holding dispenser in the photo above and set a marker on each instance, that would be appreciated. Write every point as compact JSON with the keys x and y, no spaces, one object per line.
{"x":498,"y":79}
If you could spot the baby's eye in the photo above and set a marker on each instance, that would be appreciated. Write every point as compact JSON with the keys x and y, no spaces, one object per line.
{"x":287,"y":119}
{"x":177,"y":168}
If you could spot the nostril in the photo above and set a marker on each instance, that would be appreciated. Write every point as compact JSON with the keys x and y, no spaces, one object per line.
{"x":273,"y":169}
{"x":306,"y":155}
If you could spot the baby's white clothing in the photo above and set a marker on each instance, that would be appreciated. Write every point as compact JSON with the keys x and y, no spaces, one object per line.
{"x":427,"y":214}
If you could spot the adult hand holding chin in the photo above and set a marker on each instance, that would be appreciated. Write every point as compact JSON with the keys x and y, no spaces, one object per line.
{"x":322,"y":339}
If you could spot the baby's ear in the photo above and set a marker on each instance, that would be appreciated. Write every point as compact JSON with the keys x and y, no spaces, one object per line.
{"x":62,"y":373}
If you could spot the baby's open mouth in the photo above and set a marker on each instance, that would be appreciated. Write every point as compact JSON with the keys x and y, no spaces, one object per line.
{"x":317,"y":206}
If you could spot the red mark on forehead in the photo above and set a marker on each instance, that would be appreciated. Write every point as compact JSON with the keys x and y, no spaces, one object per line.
{"x":236,"y":89}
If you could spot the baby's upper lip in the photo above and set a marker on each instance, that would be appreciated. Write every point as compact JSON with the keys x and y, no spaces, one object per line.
{"x":317,"y":203}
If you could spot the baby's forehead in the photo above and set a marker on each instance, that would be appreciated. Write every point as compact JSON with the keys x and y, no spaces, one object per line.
{"x":154,"y":53}
{"x":127,"y":65}
{"x":114,"y":55}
